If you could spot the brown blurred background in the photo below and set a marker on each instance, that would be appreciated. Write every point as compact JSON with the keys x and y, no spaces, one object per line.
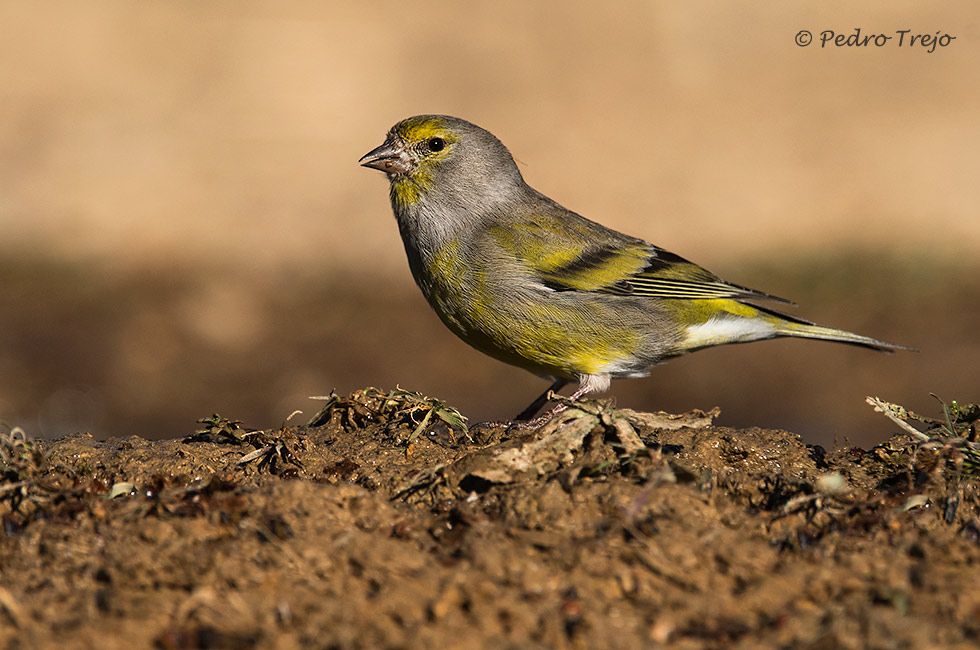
{"x":184,"y":228}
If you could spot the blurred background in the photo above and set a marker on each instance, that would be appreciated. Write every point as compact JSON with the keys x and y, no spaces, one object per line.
{"x":184,"y":228}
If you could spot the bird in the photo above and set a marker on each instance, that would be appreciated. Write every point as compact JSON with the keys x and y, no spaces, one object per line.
{"x":525,"y":280}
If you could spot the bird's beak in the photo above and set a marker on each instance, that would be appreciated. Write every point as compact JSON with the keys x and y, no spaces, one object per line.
{"x":391,"y":158}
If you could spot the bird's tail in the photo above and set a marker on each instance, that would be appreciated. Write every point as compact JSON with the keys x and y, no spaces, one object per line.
{"x":792,"y":326}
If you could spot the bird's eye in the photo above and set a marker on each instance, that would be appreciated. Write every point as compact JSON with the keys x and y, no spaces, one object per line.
{"x":436,"y":144}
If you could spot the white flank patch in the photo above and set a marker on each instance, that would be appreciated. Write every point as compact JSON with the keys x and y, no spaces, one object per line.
{"x":717,"y":331}
{"x":597,"y":383}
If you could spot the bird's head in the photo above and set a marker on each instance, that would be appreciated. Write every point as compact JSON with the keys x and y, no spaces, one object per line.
{"x":444,"y":158}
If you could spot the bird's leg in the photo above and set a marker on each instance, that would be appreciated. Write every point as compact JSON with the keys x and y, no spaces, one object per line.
{"x":558,"y":408}
{"x":535,"y":406}
{"x":525,"y":423}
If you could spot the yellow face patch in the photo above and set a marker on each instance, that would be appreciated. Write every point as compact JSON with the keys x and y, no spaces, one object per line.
{"x":407,"y":190}
{"x":416,"y":133}
{"x":417,"y":129}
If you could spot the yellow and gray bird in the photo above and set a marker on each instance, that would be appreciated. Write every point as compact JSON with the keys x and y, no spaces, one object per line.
{"x":531,"y":283}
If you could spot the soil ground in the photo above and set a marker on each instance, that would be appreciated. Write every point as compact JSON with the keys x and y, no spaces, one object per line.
{"x":604,"y":528}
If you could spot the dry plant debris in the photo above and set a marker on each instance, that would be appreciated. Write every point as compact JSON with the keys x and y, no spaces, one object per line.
{"x":382,"y":524}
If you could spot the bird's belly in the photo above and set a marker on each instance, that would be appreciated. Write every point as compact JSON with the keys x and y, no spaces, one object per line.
{"x":547,"y":333}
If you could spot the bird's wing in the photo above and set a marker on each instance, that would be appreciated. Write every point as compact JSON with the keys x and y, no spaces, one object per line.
{"x":670,"y":276}
{"x":570,"y":253}
{"x":579,"y":255}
